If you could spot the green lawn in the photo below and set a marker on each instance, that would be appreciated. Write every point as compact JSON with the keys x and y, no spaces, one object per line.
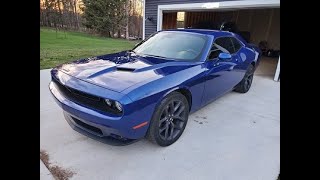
{"x":58,"y":48}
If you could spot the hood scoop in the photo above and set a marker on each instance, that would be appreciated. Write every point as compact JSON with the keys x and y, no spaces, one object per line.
{"x":126,"y":69}
{"x":132,"y":66}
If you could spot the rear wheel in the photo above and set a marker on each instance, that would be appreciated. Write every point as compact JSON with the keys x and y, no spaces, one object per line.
{"x":169,"y":120}
{"x":246,"y":82}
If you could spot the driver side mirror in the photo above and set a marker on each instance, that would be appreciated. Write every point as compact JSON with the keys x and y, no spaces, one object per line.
{"x":225,"y":56}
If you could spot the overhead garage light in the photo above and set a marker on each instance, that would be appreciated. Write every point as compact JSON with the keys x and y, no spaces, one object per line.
{"x":211,"y":5}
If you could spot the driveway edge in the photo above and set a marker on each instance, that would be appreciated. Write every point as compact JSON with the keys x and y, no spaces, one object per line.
{"x":45,"y":174}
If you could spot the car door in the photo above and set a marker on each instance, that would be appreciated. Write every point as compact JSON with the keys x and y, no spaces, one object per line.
{"x":222,"y":74}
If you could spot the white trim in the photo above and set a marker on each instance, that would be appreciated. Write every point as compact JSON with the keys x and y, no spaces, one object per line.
{"x":276,"y":76}
{"x":215,"y":5}
{"x":144,"y":20}
{"x":159,"y":15}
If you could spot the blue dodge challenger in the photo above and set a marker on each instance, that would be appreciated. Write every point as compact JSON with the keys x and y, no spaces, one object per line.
{"x":150,"y":90}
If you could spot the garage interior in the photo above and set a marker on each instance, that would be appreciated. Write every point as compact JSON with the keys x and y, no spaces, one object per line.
{"x":259,"y":25}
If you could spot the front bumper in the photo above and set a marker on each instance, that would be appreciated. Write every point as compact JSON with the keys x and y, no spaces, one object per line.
{"x":117,"y":141}
{"x":95,"y":124}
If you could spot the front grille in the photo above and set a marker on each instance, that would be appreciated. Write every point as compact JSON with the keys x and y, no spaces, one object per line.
{"x":87,"y":126}
{"x":84,"y":99}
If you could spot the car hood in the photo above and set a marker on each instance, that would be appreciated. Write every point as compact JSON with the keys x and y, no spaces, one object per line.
{"x":121,"y":70}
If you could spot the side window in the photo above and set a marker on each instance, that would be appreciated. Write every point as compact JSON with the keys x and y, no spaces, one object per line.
{"x":226,"y":43}
{"x":237,"y":45}
{"x":214,"y":53}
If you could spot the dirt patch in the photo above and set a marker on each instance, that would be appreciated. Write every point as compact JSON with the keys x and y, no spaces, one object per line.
{"x":44,"y":157}
{"x":58,"y":172}
{"x":200,"y":121}
{"x":202,"y":117}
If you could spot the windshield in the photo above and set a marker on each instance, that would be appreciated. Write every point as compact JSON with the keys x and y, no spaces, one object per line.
{"x":173,"y":45}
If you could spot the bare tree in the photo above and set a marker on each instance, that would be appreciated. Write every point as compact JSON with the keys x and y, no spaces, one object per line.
{"x":109,"y":17}
{"x":76,"y":14}
{"x":128,"y":5}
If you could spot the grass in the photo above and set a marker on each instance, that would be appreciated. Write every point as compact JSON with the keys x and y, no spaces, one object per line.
{"x":58,"y":48}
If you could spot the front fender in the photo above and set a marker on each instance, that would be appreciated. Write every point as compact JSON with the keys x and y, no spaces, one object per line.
{"x":152,"y":93}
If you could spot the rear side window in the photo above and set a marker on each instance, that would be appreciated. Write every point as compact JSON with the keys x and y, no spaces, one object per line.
{"x":226,"y":43}
{"x":237,"y":45}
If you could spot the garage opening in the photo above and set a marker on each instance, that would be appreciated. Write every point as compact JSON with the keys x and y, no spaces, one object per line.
{"x":257,"y":26}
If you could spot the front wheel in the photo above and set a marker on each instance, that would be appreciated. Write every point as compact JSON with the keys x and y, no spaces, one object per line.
{"x":169,"y":120}
{"x":246,"y":82}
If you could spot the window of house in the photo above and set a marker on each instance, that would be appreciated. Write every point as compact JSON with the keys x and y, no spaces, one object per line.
{"x":180,"y":19}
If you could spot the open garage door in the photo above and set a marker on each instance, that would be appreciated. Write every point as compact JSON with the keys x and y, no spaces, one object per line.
{"x":257,"y":23}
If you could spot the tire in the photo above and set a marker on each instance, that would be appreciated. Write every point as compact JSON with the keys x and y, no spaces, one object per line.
{"x":246,"y":82}
{"x":164,"y":128}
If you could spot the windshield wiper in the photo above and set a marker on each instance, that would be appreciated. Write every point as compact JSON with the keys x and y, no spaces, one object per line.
{"x":156,"y":56}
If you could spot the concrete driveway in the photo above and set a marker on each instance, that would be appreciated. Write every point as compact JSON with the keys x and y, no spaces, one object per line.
{"x":236,"y":137}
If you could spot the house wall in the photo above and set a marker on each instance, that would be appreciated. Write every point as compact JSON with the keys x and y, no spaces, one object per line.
{"x":152,"y":8}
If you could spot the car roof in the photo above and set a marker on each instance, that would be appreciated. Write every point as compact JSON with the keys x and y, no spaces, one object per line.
{"x":216,"y":33}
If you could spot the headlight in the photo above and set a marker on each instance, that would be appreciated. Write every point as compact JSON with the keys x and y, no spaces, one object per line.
{"x":108,"y":101}
{"x":113,"y":106}
{"x":118,"y":106}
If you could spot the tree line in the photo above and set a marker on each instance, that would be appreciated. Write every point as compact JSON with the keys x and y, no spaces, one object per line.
{"x":111,"y":18}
